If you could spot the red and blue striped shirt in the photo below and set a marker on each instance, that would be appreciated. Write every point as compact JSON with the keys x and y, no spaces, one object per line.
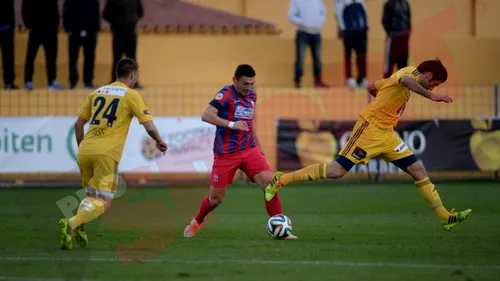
{"x":234,"y":107}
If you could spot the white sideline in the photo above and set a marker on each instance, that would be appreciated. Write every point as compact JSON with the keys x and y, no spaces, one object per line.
{"x":21,"y":278}
{"x":284,"y":262}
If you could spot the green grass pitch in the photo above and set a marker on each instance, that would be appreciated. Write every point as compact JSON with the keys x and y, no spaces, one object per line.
{"x":346,"y":232}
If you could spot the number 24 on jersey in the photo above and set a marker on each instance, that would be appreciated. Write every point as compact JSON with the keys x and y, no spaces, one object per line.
{"x":109,"y":113}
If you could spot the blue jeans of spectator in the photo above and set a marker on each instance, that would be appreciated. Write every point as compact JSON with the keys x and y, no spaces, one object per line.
{"x":302,"y":40}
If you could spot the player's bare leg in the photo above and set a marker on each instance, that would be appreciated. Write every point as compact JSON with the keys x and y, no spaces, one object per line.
{"x":208,"y":204}
{"x":310,"y":173}
{"x":273,"y":206}
{"x":449,"y":219}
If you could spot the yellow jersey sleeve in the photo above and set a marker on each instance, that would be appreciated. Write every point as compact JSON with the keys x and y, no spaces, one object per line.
{"x":409,"y":71}
{"x":138,"y":107}
{"x":85,"y":110}
{"x":380,"y":83}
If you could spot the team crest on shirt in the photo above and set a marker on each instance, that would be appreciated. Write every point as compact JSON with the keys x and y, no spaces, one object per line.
{"x":243,"y":113}
{"x":218,"y":96}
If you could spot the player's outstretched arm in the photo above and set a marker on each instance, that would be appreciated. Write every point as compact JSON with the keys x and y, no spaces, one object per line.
{"x":79,"y":131}
{"x":152,"y":131}
{"x":413,"y":85}
{"x":210,"y":116}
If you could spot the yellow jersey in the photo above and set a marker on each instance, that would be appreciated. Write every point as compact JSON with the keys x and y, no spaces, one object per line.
{"x":110,"y":110}
{"x":391,"y":99}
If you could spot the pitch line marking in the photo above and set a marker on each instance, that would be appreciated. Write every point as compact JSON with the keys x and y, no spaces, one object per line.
{"x":255,"y":261}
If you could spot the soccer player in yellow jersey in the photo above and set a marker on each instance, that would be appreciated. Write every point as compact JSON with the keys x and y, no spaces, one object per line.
{"x":373,"y":135}
{"x":110,"y":110}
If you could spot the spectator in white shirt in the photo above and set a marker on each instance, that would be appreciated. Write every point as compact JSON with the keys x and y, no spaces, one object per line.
{"x":309,"y":16}
{"x":352,"y":22}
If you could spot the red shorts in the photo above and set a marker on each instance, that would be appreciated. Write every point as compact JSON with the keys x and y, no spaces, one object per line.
{"x":250,"y":161}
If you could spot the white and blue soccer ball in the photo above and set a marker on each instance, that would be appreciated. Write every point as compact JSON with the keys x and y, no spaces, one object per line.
{"x":279,"y":226}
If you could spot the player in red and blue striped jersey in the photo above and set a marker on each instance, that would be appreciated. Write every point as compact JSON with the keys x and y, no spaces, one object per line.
{"x":236,"y":145}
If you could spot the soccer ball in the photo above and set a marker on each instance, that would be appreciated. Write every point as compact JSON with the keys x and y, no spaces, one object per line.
{"x":279,"y":226}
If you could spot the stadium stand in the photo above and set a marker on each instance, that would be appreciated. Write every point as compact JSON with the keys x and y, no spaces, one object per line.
{"x":173,"y":16}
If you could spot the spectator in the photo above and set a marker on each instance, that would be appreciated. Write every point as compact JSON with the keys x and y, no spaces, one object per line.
{"x":42,"y":19}
{"x":81,"y":19}
{"x":397,"y":24}
{"x":309,"y":16}
{"x":352,"y":22}
{"x":7,"y":27}
{"x":123,"y":16}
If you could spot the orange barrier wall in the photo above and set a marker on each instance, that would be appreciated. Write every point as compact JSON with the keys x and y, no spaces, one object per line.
{"x":202,"y":60}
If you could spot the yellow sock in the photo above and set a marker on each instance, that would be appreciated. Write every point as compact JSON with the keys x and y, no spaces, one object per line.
{"x":309,"y":173}
{"x":90,"y":208}
{"x":430,"y":194}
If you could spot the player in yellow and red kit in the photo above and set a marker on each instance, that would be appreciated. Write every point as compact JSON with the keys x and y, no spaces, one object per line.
{"x":374,"y":135}
{"x":110,"y":110}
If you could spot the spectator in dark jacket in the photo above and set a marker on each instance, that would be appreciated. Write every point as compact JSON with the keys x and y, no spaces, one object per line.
{"x":352,"y":22}
{"x":42,"y":19}
{"x":397,"y":25}
{"x":7,"y":27}
{"x":81,"y":19}
{"x":123,"y":16}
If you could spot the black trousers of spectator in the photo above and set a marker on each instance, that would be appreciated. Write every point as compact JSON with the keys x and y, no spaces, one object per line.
{"x":396,"y":53}
{"x":47,"y":38}
{"x":124,"y":42}
{"x":357,"y":41}
{"x":7,"y":45}
{"x":88,"y":42}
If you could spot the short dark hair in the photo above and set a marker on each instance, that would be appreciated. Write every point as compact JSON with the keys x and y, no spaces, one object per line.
{"x":435,"y":67}
{"x":244,"y":70}
{"x":126,"y":66}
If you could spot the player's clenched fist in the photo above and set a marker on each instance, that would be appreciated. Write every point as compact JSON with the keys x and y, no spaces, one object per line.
{"x":441,"y":98}
{"x":161,"y":145}
{"x":239,"y":125}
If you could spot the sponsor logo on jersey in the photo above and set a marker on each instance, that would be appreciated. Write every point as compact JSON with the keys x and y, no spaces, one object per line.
{"x":401,"y":147}
{"x":243,"y":112}
{"x":112,"y":90}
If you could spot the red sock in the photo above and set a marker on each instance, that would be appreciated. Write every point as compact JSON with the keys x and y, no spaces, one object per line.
{"x":205,"y":209}
{"x":273,"y":207}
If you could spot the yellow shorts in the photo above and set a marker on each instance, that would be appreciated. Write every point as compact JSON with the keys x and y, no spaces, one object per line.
{"x":99,"y":174}
{"x":368,"y":141}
